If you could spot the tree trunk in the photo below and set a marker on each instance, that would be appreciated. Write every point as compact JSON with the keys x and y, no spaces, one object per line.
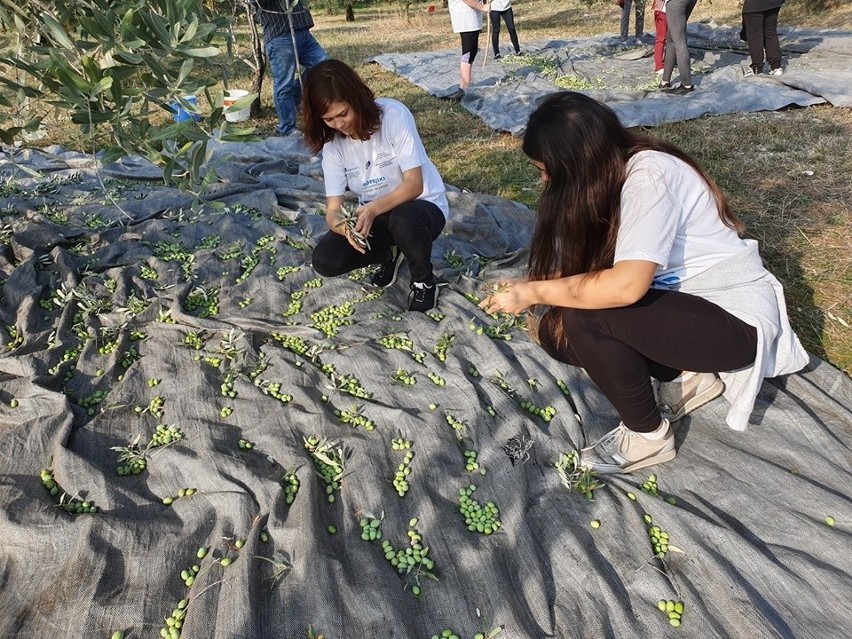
{"x":259,"y":59}
{"x":350,"y":12}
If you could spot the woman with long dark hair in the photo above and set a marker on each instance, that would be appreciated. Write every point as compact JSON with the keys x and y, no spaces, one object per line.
{"x":371,"y":147}
{"x":637,"y":271}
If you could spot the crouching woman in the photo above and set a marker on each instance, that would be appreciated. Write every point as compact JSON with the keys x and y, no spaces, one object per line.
{"x":370,"y":146}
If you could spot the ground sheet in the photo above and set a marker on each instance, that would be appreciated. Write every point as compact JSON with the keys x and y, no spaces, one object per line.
{"x":818,"y":68}
{"x":135,"y":306}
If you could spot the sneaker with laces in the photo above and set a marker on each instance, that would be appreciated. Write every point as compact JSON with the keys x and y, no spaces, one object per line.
{"x":681,"y":89}
{"x":677,"y":399}
{"x":423,"y":296}
{"x":624,"y":451}
{"x":385,"y":275}
{"x":777,"y":72}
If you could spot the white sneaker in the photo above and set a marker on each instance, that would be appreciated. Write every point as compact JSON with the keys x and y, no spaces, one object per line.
{"x":777,"y":72}
{"x":624,"y":451}
{"x":677,"y":399}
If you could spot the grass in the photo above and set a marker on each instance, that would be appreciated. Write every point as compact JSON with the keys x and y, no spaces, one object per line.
{"x":762,"y":160}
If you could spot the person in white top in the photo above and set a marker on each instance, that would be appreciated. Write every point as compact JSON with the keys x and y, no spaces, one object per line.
{"x":503,"y":9}
{"x":637,"y":271}
{"x":466,"y":18}
{"x":371,"y":148}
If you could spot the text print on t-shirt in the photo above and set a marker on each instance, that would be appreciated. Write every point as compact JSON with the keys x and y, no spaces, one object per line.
{"x":381,"y":176}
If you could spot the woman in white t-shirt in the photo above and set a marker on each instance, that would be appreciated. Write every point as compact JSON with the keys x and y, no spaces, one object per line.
{"x":637,"y":271}
{"x":466,"y":18}
{"x":371,"y":148}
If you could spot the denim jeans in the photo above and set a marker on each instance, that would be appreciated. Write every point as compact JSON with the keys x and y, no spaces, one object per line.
{"x":286,"y":90}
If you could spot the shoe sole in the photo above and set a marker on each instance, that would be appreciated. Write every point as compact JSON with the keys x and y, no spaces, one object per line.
{"x":644,"y":463}
{"x":399,"y":259}
{"x":698,"y":401}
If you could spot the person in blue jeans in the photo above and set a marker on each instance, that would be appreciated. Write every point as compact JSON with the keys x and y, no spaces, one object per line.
{"x":287,"y":35}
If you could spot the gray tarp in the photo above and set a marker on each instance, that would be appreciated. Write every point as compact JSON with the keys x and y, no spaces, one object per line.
{"x":818,"y":68}
{"x":749,"y":508}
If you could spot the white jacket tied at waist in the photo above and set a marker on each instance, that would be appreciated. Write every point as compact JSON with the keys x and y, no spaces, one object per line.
{"x":743,"y":287}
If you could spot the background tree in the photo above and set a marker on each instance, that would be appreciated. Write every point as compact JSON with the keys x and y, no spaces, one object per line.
{"x":116,"y":67}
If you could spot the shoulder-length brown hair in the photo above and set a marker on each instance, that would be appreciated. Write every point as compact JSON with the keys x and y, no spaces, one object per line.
{"x":333,"y":81}
{"x":585,"y":149}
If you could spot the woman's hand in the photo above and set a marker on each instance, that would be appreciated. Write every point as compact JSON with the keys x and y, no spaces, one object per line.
{"x":509,"y":296}
{"x":352,"y":241}
{"x":367,"y":214}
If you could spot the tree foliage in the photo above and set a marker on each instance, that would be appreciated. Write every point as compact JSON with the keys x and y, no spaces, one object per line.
{"x":114,"y":66}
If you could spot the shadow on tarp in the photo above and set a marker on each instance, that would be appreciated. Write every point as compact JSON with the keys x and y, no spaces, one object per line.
{"x":758,"y":560}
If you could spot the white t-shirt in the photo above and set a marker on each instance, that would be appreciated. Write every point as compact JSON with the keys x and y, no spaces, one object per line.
{"x":464,"y":18}
{"x":669,"y":217}
{"x":500,"y":5}
{"x":372,"y":168}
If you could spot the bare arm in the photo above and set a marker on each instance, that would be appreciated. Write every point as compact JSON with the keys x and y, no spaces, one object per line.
{"x":623,"y":284}
{"x":333,"y":206}
{"x":473,"y":4}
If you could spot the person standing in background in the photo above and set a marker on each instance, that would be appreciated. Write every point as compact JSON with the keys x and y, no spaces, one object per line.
{"x":677,"y":51}
{"x":660,"y":27}
{"x":503,"y":8}
{"x":289,"y":44}
{"x":626,"y":6}
{"x":466,"y":18}
{"x":760,"y":19}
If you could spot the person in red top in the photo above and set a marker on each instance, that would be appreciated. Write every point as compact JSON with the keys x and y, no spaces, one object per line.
{"x":660,"y":25}
{"x":760,"y":19}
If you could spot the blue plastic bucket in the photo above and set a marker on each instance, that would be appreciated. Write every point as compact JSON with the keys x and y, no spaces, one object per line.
{"x":181,"y":114}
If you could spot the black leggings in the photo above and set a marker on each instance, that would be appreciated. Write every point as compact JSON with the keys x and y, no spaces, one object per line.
{"x":412,"y":226}
{"x":761,"y":29}
{"x":470,"y":46}
{"x":509,"y":19}
{"x":661,"y":335}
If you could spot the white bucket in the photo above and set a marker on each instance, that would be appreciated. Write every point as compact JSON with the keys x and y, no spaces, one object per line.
{"x":229,"y":100}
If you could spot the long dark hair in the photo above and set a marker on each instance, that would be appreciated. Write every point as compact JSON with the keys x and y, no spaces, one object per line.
{"x":334,"y":81}
{"x":584,"y":149}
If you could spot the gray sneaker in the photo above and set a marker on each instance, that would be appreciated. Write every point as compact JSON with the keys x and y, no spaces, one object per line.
{"x":677,"y":399}
{"x":624,"y":451}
